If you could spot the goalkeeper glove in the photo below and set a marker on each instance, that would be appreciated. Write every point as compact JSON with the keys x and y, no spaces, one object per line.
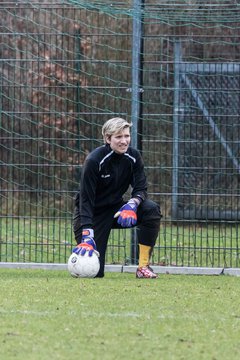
{"x":127,"y":215}
{"x":87,"y":244}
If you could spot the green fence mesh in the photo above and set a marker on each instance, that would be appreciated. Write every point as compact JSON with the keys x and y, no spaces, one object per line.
{"x":66,"y":67}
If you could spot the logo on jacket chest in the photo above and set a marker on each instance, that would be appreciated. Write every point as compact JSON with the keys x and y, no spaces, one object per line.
{"x":104,"y":176}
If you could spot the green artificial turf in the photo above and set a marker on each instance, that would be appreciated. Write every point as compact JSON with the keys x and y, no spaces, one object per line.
{"x":49,"y":315}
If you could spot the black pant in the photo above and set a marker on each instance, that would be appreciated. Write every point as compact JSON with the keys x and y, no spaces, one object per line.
{"x":148,"y":222}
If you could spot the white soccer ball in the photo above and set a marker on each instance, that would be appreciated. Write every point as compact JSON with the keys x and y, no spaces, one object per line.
{"x":83,"y":266}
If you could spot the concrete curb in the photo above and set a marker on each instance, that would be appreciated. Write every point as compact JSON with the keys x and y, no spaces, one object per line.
{"x":172,"y":270}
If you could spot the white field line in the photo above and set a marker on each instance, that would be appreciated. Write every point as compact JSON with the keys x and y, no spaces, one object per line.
{"x":121,"y":315}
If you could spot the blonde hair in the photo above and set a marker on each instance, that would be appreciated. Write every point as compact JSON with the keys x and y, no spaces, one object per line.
{"x":114,"y":126}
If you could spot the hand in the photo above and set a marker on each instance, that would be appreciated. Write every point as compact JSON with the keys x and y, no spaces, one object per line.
{"x":127,"y":216}
{"x":87,"y":244}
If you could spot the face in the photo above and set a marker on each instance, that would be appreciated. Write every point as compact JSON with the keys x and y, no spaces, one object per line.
{"x":120,"y":142}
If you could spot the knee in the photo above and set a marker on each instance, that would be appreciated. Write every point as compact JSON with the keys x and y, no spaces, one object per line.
{"x":151,"y":211}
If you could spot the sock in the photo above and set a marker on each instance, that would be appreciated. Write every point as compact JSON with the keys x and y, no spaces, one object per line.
{"x":144,"y":255}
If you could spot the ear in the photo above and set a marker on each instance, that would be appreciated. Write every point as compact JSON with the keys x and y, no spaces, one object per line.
{"x":108,"y":139}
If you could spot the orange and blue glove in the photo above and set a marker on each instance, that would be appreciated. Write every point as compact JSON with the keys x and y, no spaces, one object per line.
{"x":87,"y":244}
{"x":127,"y":214}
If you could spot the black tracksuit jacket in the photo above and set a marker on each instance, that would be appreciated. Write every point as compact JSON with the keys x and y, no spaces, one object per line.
{"x":105,"y":178}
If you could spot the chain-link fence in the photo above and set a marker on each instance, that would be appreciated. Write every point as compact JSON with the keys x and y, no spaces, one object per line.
{"x":68,"y":66}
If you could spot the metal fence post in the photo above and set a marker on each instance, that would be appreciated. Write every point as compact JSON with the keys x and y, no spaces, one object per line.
{"x":137,"y":51}
{"x":177,"y":57}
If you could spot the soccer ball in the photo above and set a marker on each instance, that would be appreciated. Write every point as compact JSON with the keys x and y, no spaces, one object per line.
{"x":83,"y":266}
